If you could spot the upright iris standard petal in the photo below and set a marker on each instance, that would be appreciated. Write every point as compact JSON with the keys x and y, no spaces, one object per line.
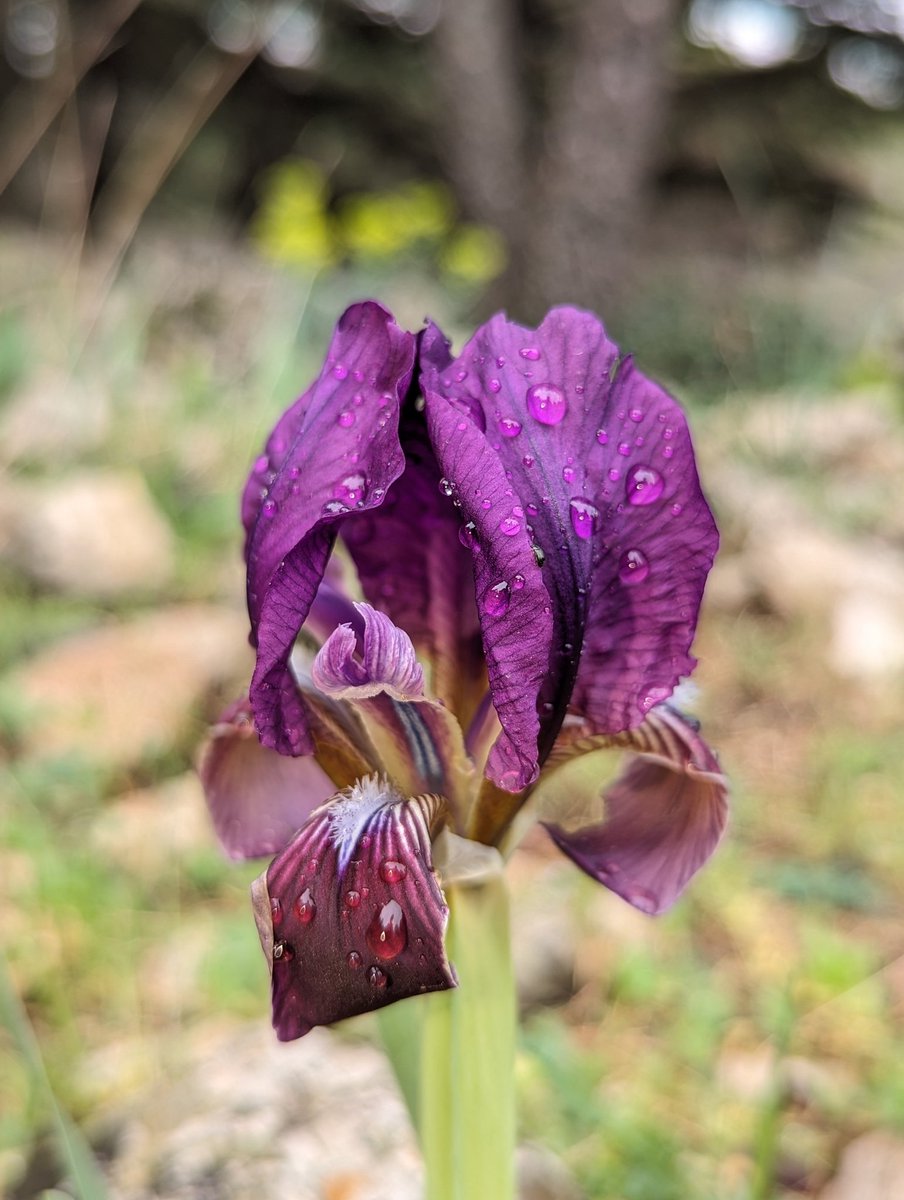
{"x":414,"y":561}
{"x":512,"y":600}
{"x":601,"y":486}
{"x":334,"y":453}
{"x":350,"y":914}
{"x":662,"y":818}
{"x":257,"y":798}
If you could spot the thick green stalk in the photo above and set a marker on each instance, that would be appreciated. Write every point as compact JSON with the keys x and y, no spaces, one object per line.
{"x":464,"y":1096}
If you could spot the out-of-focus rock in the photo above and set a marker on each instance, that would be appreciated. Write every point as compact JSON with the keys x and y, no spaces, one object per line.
{"x":871,"y":1168}
{"x":53,"y":419}
{"x":119,"y":693}
{"x":94,"y":533}
{"x":868,"y":633}
{"x":750,"y":1075}
{"x":253,"y":1117}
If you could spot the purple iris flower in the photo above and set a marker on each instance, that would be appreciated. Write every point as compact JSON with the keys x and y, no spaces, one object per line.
{"x":523,"y":546}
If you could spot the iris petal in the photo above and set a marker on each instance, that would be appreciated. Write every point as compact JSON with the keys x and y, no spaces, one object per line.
{"x":662,"y":817}
{"x":336,"y":451}
{"x":418,"y":741}
{"x":257,"y":798}
{"x":587,"y":465}
{"x":350,"y":914}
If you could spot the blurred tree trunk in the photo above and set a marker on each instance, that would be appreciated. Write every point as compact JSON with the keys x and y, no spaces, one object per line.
{"x":571,"y":198}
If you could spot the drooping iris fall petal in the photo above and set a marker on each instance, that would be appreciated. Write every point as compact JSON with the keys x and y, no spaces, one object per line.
{"x":586,"y":467}
{"x":257,"y":797}
{"x":661,"y":819}
{"x":335,"y":452}
{"x":350,"y":914}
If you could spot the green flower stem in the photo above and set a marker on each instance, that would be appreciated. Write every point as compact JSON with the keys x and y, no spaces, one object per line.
{"x":455,"y":1058}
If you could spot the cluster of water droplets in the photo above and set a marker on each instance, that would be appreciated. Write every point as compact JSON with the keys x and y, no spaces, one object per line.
{"x":386,"y":936}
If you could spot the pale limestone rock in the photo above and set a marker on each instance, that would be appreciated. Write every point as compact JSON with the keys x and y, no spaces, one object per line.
{"x":871,"y":1168}
{"x":93,"y":533}
{"x":117,"y":694}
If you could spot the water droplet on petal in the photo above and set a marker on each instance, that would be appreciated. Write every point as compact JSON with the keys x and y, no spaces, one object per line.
{"x":653,"y":697}
{"x":354,"y":960}
{"x":583,"y":517}
{"x":636,"y":415}
{"x":528,"y":460}
{"x":346,"y":419}
{"x":495,"y":386}
{"x":340,"y":371}
{"x":446,"y":486}
{"x":276,"y":912}
{"x":500,"y":362}
{"x":334,"y":508}
{"x":517,"y":582}
{"x":675,"y":510}
{"x":376,"y":977}
{"x":467,"y":535}
{"x":269,"y":508}
{"x":393,"y":871}
{"x":624,"y":449}
{"x":497,"y":598}
{"x":546,"y":403}
{"x":614,"y":474}
{"x":602,"y":437}
{"x":352,"y":899}
{"x":668,"y":451}
{"x":387,"y":934}
{"x":509,"y":427}
{"x":305,"y":908}
{"x":509,"y":526}
{"x":530,"y":353}
{"x":644,"y":485}
{"x":351,"y":490}
{"x":568,"y":474}
{"x":283,"y":952}
{"x":486,"y":503}
{"x":633,"y":567}
{"x":509,"y":781}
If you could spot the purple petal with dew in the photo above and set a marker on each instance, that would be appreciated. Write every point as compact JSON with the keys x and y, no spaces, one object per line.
{"x":350,"y":914}
{"x":663,"y":816}
{"x":601,"y":481}
{"x":512,"y":600}
{"x":387,"y":661}
{"x":334,"y":453}
{"x":414,"y":561}
{"x":257,"y":798}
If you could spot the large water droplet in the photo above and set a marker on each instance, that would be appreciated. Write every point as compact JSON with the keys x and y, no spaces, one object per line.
{"x":305,"y":908}
{"x":497,"y":599}
{"x":583,"y":517}
{"x":346,"y":419}
{"x":446,"y":486}
{"x":351,"y":490}
{"x":531,"y":353}
{"x":352,"y":899}
{"x":509,"y":427}
{"x":387,"y":934}
{"x":354,"y":960}
{"x":633,"y":567}
{"x":283,"y":952}
{"x":644,"y":485}
{"x":517,"y":582}
{"x":546,"y":403}
{"x":334,"y":508}
{"x":509,"y":526}
{"x":392,"y":871}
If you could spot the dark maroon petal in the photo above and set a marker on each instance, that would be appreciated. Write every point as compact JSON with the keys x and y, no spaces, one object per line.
{"x":257,"y":798}
{"x":414,"y":562}
{"x":664,"y":815}
{"x":590,"y":462}
{"x":334,"y":453}
{"x":387,"y":661}
{"x":350,"y":914}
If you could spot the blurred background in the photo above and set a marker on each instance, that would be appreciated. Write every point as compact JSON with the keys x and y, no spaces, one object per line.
{"x":191,"y":191}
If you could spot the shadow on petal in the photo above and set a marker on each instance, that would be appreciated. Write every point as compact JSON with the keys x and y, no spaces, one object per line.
{"x":257,"y":797}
